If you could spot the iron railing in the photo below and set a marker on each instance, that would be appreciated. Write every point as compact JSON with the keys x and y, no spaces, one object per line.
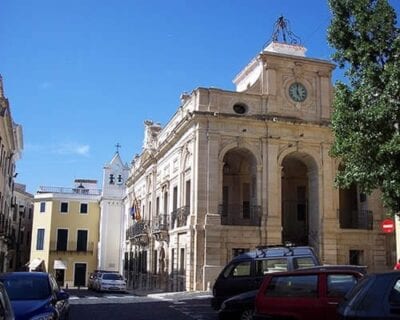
{"x":240,"y":215}
{"x":179,"y":217}
{"x":138,"y":228}
{"x":160,"y":223}
{"x":351,"y":219}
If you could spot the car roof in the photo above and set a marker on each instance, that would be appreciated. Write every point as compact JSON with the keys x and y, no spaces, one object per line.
{"x":23,"y":274}
{"x":276,"y":251}
{"x":340,"y":267}
{"x":309,"y":271}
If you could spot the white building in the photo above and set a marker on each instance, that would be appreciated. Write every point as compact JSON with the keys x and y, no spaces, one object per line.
{"x":111,"y":230}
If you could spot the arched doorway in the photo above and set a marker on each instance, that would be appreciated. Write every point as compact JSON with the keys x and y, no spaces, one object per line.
{"x":300,"y":201}
{"x":239,"y":189}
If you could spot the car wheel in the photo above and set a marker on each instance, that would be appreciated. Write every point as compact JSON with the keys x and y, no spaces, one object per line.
{"x":247,"y":314}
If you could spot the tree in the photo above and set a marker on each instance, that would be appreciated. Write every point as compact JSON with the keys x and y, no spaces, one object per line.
{"x":366,"y":109}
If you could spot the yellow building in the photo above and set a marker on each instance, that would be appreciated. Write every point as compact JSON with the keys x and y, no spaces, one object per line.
{"x":65,"y":232}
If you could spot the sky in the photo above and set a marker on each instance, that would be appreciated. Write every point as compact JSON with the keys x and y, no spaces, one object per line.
{"x":84,"y":75}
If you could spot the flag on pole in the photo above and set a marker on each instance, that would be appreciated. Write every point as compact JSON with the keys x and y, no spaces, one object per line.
{"x":135,"y":210}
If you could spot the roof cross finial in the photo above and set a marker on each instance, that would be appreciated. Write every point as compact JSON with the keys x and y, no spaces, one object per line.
{"x":117,"y":146}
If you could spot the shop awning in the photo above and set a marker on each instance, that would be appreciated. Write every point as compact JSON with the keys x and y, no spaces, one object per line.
{"x":59,"y":264}
{"x":35,"y":263}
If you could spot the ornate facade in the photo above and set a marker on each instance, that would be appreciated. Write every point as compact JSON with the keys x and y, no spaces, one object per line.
{"x":235,"y":169}
{"x":11,"y":144}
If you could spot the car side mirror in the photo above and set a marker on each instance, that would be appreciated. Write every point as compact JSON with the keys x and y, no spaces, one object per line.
{"x":62,"y":295}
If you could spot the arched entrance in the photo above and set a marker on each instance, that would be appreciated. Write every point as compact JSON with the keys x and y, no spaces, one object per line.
{"x":239,"y":189}
{"x":300,"y":203}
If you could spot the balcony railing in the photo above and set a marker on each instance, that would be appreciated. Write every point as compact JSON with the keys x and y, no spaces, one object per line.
{"x":138,"y":228}
{"x":361,"y":219}
{"x":179,"y":217}
{"x":43,"y":189}
{"x":239,"y":215}
{"x":160,"y":226}
{"x":160,"y":223}
{"x":71,"y":246}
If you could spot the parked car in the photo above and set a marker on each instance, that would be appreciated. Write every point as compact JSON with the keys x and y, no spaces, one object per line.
{"x":242,"y":306}
{"x":110,"y":281}
{"x":35,"y":295}
{"x":6,"y":311}
{"x":246,"y":271}
{"x":304,"y":294}
{"x":376,"y":296}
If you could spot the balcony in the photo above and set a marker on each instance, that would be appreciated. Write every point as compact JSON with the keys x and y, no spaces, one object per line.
{"x":353,"y":219}
{"x":240,"y":215}
{"x":160,"y":227}
{"x":138,"y":232}
{"x":71,"y":247}
{"x":180,"y":217}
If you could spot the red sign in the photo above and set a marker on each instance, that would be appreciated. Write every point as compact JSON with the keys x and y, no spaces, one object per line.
{"x":387,"y":225}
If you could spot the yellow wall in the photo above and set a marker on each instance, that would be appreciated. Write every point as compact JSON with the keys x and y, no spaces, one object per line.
{"x":73,"y":220}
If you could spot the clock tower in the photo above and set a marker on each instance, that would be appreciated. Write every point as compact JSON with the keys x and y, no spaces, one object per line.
{"x":111,"y":235}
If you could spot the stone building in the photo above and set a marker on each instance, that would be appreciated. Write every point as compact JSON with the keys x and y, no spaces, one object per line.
{"x":22,"y":219}
{"x":233,"y":170}
{"x":11,"y":145}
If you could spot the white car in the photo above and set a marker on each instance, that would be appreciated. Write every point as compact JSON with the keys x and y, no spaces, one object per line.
{"x":110,"y":281}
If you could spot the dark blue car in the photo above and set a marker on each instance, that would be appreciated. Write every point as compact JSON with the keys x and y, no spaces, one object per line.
{"x":35,"y":295}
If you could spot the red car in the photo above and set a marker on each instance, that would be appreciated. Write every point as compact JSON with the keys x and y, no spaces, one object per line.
{"x":312,"y":294}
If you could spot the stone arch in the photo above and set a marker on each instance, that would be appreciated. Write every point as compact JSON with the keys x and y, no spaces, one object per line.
{"x":240,"y":191}
{"x":300,"y":197}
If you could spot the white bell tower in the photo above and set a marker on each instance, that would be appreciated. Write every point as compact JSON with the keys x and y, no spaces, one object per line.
{"x":111,"y":236}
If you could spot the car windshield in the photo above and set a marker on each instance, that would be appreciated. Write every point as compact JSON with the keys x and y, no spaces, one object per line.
{"x":112,"y":276}
{"x":27,"y":288}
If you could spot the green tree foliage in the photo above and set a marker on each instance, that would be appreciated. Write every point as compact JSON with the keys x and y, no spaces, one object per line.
{"x":366,"y":112}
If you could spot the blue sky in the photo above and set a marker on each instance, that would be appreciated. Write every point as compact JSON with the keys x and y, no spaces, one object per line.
{"x":82,"y":75}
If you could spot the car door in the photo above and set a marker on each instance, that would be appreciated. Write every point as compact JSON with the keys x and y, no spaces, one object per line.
{"x":334,"y":288}
{"x":239,"y":278}
{"x":293,"y":296}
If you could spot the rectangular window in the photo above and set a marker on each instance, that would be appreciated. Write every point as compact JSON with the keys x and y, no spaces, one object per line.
{"x":165,"y":202}
{"x":81,"y":244}
{"x":175,"y":199}
{"x":172,"y":259}
{"x":42,"y":206}
{"x":155,"y":262}
{"x":62,"y":239}
{"x":84,"y":208}
{"x":157,"y":206}
{"x":356,"y":257}
{"x":271,"y":265}
{"x":242,"y":269}
{"x":246,"y":200}
{"x":340,"y":284}
{"x":182,"y":261}
{"x":64,"y":207}
{"x":293,"y":286}
{"x":187,"y":193}
{"x":40,"y":239}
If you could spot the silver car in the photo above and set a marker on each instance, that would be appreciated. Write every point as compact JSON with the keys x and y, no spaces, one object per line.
{"x":110,"y":281}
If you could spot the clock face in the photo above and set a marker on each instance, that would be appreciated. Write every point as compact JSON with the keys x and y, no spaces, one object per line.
{"x":297,"y":92}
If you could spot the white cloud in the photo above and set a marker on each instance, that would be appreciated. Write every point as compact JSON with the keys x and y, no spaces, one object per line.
{"x":73,"y":149}
{"x":64,"y":149}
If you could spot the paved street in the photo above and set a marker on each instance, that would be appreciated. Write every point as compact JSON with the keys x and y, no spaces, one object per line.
{"x":169,"y":306}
